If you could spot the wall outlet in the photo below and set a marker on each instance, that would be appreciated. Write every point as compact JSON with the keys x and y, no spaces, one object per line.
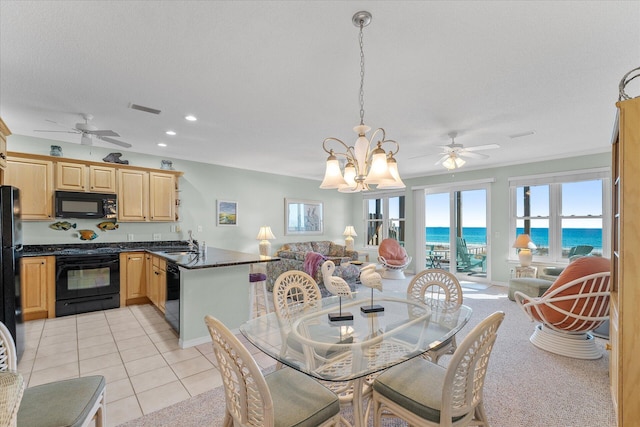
{"x":130,"y":237}
{"x":173,"y":228}
{"x":157,"y":236}
{"x":178,"y":229}
{"x":199,"y":229}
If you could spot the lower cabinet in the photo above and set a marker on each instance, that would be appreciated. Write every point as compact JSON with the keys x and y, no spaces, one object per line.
{"x":38,"y":287}
{"x":133,"y":278}
{"x":158,"y":282}
{"x":143,"y":278}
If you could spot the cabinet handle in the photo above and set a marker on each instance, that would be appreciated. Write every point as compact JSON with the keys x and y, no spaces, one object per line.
{"x":3,"y":156}
{"x":607,"y":347}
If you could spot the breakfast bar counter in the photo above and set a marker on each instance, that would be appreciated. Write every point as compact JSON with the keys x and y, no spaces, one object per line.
{"x":215,"y":282}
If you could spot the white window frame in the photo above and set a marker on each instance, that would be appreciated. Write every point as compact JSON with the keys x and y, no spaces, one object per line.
{"x":386,"y":221}
{"x":555,"y":181}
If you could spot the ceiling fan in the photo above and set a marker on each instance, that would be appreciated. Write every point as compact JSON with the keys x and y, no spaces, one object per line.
{"x":89,"y":131}
{"x":453,"y":153}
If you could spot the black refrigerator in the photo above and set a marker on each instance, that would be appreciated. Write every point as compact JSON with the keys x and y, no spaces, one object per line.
{"x":11,"y":231}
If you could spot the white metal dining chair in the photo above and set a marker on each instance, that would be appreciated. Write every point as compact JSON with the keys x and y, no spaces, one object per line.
{"x":437,"y":286}
{"x":424,"y":393}
{"x":253,"y":399}
{"x":77,"y":402}
{"x":295,"y":292}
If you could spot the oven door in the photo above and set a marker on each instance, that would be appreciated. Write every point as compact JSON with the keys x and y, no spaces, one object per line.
{"x":87,"y":283}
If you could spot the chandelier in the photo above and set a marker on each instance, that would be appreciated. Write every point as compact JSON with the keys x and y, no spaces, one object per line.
{"x":363,"y":166}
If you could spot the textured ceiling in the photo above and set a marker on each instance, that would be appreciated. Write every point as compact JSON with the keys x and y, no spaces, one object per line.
{"x":270,"y":80}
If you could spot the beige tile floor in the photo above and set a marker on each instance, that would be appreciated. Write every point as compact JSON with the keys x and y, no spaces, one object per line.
{"x":133,"y":347}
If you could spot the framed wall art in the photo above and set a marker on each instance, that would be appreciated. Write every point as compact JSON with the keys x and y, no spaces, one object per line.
{"x":302,"y":217}
{"x":227,"y":213}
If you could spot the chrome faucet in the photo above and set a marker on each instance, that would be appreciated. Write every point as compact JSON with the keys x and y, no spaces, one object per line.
{"x":193,"y":245}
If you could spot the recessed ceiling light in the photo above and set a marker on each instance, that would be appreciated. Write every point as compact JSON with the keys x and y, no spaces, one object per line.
{"x":161,"y":144}
{"x":170,"y":132}
{"x":190,"y":118}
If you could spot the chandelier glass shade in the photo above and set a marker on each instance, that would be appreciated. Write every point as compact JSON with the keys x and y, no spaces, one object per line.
{"x":363,"y":165}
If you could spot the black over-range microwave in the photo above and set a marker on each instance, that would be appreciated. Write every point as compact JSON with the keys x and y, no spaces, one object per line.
{"x":71,"y":204}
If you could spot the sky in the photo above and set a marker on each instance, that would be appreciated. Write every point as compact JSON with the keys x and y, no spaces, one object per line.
{"x":578,"y":198}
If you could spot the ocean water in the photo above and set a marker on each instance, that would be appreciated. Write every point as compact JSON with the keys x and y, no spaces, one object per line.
{"x":540,"y":236}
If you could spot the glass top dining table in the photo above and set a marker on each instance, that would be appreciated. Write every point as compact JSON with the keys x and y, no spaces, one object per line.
{"x":350,"y":350}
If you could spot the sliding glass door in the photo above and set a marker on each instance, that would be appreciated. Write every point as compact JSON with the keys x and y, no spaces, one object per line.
{"x":456,"y":230}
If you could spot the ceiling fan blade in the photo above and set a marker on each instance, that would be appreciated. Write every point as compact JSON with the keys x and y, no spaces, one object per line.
{"x":102,"y":133}
{"x":482,"y":147}
{"x":467,"y":153}
{"x":442,"y":159}
{"x":59,"y":131}
{"x":114,"y":141}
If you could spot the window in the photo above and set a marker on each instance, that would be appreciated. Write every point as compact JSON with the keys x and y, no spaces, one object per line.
{"x":561,"y":213}
{"x":384,"y":217}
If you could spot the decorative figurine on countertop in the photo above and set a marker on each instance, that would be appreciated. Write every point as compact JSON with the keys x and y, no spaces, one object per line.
{"x":56,"y":150}
{"x":337,"y":286}
{"x":166,"y":165}
{"x":62,"y":225}
{"x":373,"y":280}
{"x":87,"y":234}
{"x":115,"y":158}
{"x":107,"y":225}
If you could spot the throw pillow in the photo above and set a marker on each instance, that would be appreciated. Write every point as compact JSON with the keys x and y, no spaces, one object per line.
{"x":336,"y":250}
{"x":579,"y":268}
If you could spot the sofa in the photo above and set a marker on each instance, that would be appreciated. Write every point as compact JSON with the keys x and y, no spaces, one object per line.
{"x":293,"y":255}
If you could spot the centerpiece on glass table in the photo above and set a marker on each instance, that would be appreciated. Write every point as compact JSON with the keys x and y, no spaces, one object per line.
{"x":373,"y":280}
{"x":337,"y":286}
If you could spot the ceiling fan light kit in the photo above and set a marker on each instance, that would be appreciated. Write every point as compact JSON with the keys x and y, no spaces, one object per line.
{"x":363,"y":166}
{"x":453,"y":153}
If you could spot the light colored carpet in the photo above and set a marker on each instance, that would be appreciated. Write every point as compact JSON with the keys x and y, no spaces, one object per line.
{"x":525,"y":386}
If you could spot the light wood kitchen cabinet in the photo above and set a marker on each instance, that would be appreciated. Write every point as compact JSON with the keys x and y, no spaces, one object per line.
{"x":4,"y":133}
{"x":71,"y":176}
{"x":624,"y":369}
{"x":158,"y":282}
{"x":133,"y":278}
{"x":146,"y":196}
{"x":38,"y":287}
{"x":162,"y":197}
{"x":133,"y":195}
{"x":102,"y":179}
{"x":34,"y":178}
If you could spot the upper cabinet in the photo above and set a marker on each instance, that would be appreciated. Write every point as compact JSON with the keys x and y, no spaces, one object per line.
{"x":133,"y":195}
{"x":144,"y":194}
{"x":80,"y":177}
{"x":4,"y":133}
{"x":34,"y":178}
{"x":102,"y":179}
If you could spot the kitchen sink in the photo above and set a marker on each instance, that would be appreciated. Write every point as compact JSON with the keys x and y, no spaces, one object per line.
{"x":181,"y":253}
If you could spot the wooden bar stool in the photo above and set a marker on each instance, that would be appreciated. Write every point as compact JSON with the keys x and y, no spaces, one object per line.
{"x":257,"y":280}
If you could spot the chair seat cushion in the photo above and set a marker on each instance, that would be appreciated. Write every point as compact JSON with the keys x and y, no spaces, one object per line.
{"x":308,"y":403}
{"x":64,"y":403}
{"x":415,"y":385}
{"x":579,"y":268}
{"x":392,"y":252}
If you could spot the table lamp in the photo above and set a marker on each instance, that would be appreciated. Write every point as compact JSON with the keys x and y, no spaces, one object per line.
{"x":349,"y":232}
{"x":524,"y":245}
{"x":264,"y":235}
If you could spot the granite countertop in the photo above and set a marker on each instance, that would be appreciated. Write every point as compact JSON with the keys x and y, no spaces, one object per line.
{"x":176,"y":251}
{"x":213,"y":257}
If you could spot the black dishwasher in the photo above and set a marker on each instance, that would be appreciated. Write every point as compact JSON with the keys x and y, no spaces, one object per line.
{"x":172,"y":304}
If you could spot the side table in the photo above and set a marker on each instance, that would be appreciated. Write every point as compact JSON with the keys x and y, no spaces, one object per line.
{"x":526,"y":271}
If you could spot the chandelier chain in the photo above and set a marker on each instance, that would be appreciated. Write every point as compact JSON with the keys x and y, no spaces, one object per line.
{"x":361,"y":74}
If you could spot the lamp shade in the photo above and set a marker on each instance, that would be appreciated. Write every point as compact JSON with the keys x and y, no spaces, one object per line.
{"x":349,"y":231}
{"x":265,"y":233}
{"x":523,"y":241}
